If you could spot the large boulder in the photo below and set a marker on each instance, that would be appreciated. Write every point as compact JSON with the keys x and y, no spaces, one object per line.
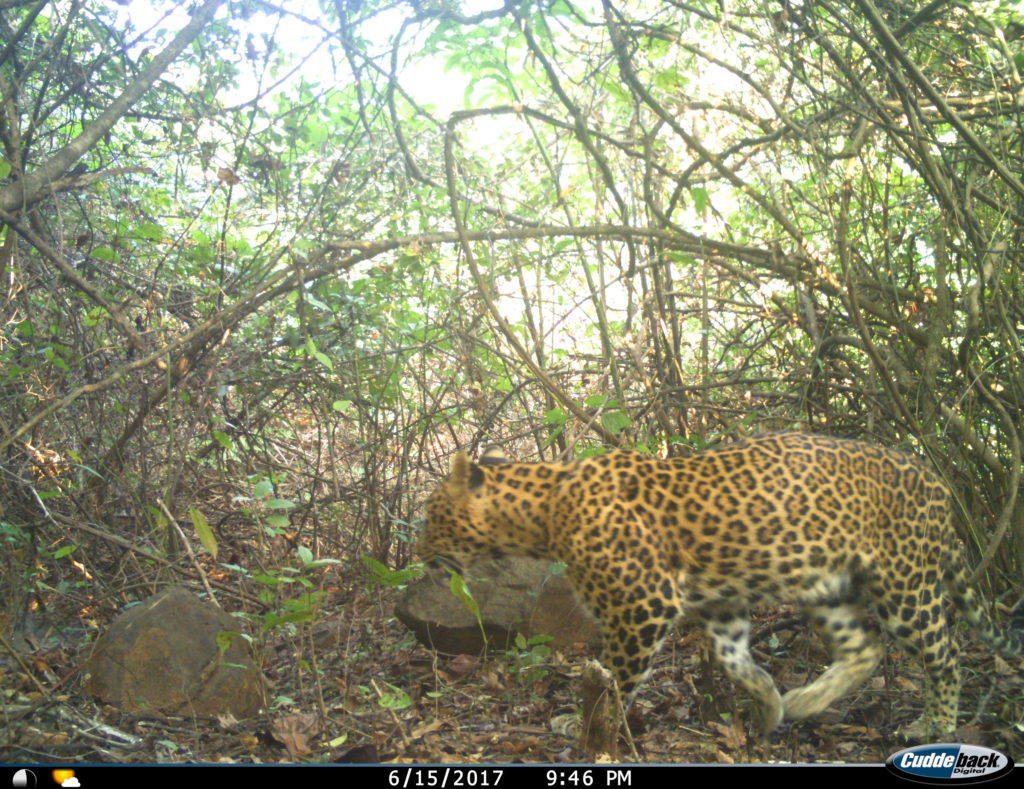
{"x":514,"y":595}
{"x":162,"y":656}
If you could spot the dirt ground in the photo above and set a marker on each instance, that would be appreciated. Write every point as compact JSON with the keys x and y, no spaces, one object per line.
{"x":355,"y":687}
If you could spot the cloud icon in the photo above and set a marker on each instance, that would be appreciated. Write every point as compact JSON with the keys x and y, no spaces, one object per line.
{"x":71,"y":783}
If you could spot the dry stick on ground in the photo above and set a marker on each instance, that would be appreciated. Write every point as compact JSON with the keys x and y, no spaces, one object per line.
{"x":24,"y":667}
{"x":603,"y":713}
{"x":188,"y":549}
{"x":394,"y":715}
{"x":620,"y":711}
{"x":600,"y":734}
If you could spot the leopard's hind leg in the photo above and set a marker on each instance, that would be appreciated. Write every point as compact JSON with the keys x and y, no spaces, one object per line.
{"x":855,"y":650}
{"x":914,"y":613}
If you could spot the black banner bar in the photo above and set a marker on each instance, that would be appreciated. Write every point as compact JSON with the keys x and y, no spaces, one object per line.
{"x":436,"y":776}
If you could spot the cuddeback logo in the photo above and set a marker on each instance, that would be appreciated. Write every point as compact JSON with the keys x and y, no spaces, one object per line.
{"x":949,"y":763}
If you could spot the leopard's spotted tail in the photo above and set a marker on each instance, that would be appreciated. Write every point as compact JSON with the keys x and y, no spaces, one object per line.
{"x":1008,"y":642}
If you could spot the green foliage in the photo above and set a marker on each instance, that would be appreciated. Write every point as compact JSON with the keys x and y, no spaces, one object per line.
{"x":394,"y":699}
{"x":465,"y":596}
{"x":246,"y":296}
{"x":203,"y":530}
{"x":613,"y":418}
{"x":224,"y":640}
{"x":392,"y":578}
{"x":530,"y":656}
{"x":287,"y":611}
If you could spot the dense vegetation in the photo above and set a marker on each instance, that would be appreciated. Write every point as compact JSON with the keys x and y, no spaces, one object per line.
{"x":266,"y":265}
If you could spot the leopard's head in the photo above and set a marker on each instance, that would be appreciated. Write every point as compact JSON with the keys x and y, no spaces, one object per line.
{"x":457,"y":526}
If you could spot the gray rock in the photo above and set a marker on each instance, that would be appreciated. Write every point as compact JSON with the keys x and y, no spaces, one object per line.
{"x":515,"y":596}
{"x":162,"y":656}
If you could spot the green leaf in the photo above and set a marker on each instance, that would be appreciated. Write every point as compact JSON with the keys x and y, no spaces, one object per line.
{"x":271,"y":621}
{"x":223,"y":439}
{"x":392,"y":578}
{"x":461,"y":591}
{"x":94,"y":316}
{"x":398,"y":699}
{"x":279,"y":504}
{"x":700,"y":198}
{"x":202,"y":527}
{"x":323,"y":562}
{"x":615,"y":422}
{"x":679,"y":257}
{"x":224,"y":640}
{"x":556,"y":416}
{"x":148,"y":230}
{"x":104,"y":253}
{"x":376,"y":567}
{"x":53,"y":358}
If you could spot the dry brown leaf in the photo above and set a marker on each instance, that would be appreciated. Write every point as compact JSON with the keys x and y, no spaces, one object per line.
{"x":461,"y":665}
{"x":249,"y":741}
{"x":520,"y":745}
{"x":733,"y":735}
{"x":905,"y":684}
{"x":427,"y":728}
{"x":494,"y":682}
{"x":294,"y":732}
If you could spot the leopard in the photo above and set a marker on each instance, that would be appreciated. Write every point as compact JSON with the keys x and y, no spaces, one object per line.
{"x":857,"y":535}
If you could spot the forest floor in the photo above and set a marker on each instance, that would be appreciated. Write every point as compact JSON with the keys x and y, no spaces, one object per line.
{"x":356,"y":687}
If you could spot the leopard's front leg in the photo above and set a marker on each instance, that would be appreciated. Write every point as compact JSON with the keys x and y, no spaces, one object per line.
{"x":635,"y":605}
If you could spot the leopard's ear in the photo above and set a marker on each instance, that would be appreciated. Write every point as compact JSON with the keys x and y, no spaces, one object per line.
{"x":465,"y":473}
{"x":493,"y":454}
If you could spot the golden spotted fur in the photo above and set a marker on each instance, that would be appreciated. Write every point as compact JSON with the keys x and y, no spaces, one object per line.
{"x":841,"y":528}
